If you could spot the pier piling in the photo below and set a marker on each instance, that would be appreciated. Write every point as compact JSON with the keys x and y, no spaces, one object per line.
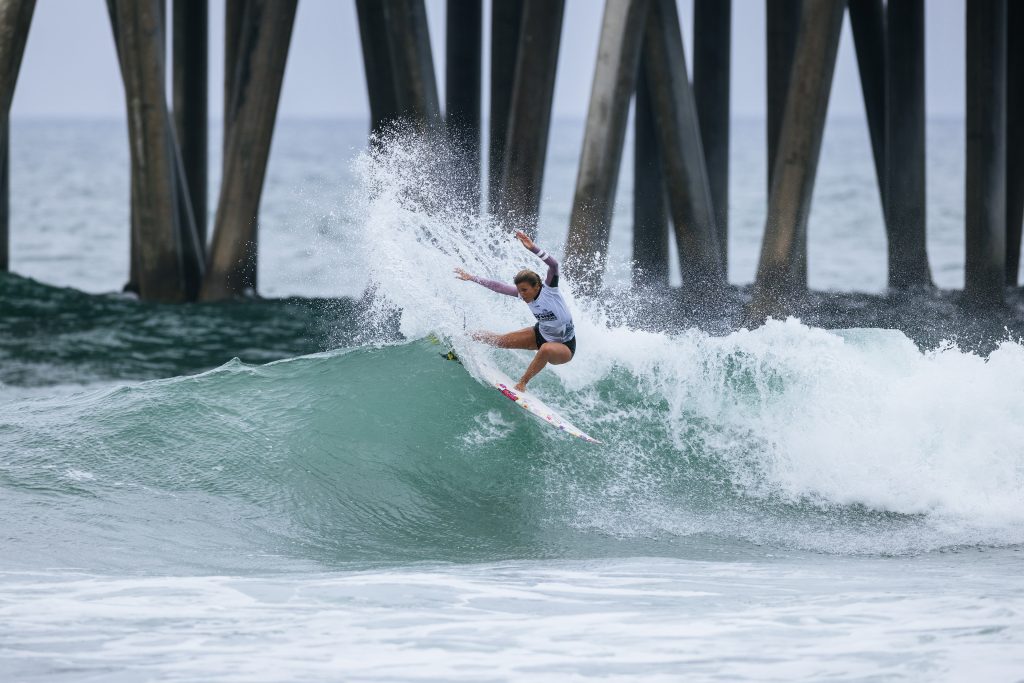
{"x":413,"y":63}
{"x":463,"y":52}
{"x":234,"y":16}
{"x":712,"y":24}
{"x":1014,"y":137}
{"x":262,"y":53}
{"x":650,"y":208}
{"x":904,"y":194}
{"x":239,"y":16}
{"x":132,"y":285}
{"x":506,"y":25}
{"x":163,"y":256}
{"x":380,"y":80}
{"x":15,"y":20}
{"x":781,"y":28}
{"x":782,"y":24}
{"x":682,"y":155}
{"x":5,"y":199}
{"x":779,"y":281}
{"x":618,"y":59}
{"x":985,"y":212}
{"x":867,"y":20}
{"x":189,"y":40}
{"x":533,"y":89}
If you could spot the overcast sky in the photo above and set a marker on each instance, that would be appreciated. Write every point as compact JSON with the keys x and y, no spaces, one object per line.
{"x":70,"y":68}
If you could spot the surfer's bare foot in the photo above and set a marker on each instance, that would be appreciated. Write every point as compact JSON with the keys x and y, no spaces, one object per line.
{"x":520,"y":386}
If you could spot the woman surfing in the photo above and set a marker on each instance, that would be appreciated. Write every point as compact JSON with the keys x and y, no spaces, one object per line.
{"x":553,"y":337}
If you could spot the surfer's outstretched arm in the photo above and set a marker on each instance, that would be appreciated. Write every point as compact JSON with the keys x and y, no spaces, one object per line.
{"x":493,"y":285}
{"x":551,"y":279}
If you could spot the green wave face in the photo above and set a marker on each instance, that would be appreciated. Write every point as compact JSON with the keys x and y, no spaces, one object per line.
{"x":388,"y":454}
{"x":395,"y":455}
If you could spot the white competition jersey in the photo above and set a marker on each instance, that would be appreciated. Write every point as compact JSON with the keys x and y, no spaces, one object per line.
{"x":552,"y":315}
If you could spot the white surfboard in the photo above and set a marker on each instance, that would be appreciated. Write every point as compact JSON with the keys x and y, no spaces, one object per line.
{"x":530,"y":403}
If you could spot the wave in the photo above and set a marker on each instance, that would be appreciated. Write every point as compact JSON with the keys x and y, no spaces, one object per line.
{"x":787,"y":436}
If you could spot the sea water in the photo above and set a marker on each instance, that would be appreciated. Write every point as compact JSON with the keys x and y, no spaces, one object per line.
{"x":304,"y":489}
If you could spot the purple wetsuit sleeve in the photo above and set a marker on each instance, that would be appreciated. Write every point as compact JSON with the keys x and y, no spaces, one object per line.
{"x":552,"y":276}
{"x":495,"y":286}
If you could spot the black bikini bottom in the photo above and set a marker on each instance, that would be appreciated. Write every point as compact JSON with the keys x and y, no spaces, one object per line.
{"x":541,"y":340}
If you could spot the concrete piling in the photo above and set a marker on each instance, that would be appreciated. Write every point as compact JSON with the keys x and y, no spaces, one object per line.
{"x":985,"y":211}
{"x":189,"y":238}
{"x":712,"y":24}
{"x":5,"y":199}
{"x":526,"y":142}
{"x":682,"y":155}
{"x":618,"y":59}
{"x":650,"y":207}
{"x":782,"y":24}
{"x":5,"y":206}
{"x":15,"y":20}
{"x":781,"y":27}
{"x":132,"y":285}
{"x":413,"y":63}
{"x":1014,"y":138}
{"x":376,"y":63}
{"x":234,"y":16}
{"x":506,"y":25}
{"x":189,"y":40}
{"x":904,"y":193}
{"x":867,"y":19}
{"x":779,"y":283}
{"x":262,"y":54}
{"x":463,"y":52}
{"x":239,"y":16}
{"x":165,"y":271}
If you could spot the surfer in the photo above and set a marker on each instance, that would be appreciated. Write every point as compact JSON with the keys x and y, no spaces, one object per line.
{"x":553,"y":337}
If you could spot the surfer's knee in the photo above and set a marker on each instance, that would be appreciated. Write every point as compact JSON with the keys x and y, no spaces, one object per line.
{"x":555,"y":353}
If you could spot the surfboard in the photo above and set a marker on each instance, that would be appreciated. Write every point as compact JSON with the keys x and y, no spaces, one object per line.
{"x":530,"y":403}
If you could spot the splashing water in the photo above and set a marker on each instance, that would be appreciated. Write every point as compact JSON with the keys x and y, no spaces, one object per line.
{"x":786,"y":414}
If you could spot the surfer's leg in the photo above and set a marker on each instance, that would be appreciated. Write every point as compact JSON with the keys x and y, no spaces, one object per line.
{"x":554,"y":353}
{"x":520,"y":339}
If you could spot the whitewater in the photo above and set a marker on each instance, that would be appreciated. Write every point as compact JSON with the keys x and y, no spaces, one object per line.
{"x":306,"y":490}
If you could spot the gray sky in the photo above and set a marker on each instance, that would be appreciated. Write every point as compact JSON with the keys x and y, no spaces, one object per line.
{"x":70,"y":68}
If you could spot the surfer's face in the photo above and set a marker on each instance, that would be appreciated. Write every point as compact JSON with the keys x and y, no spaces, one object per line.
{"x":527,"y":291}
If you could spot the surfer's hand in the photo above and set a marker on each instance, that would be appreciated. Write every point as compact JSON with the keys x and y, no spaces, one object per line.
{"x":462,"y":275}
{"x":525,"y":239}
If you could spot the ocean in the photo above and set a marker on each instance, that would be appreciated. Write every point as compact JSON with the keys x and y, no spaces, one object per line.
{"x":300,"y":487}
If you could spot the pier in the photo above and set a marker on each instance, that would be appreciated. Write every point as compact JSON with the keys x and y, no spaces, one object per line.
{"x":681,"y":129}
